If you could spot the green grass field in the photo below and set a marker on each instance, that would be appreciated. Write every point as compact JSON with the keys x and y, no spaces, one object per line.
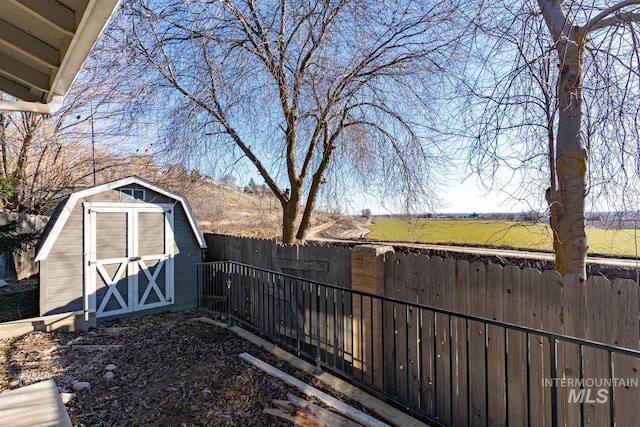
{"x":520,"y":235}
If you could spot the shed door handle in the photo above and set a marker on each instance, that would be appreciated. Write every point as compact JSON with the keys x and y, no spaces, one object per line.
{"x":135,"y":258}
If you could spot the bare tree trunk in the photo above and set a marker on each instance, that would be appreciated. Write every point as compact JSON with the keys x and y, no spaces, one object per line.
{"x":305,"y":222}
{"x":289,"y":213}
{"x":584,"y":128}
{"x":316,"y":182}
{"x":33,"y":201}
{"x":3,"y":144}
{"x":31,"y":121}
{"x":568,"y":199}
{"x":567,"y":194}
{"x":568,"y":218}
{"x":289,"y":221}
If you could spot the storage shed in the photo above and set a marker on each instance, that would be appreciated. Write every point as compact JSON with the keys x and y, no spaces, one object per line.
{"x":120,"y":249}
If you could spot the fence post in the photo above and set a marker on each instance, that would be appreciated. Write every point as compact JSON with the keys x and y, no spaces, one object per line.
{"x":229,"y":321}
{"x":367,"y":275}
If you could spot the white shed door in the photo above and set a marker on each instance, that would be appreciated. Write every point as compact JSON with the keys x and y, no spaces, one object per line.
{"x":130,"y":257}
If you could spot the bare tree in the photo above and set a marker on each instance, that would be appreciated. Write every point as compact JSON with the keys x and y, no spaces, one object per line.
{"x":45,"y":162}
{"x":555,"y":89}
{"x":304,"y":89}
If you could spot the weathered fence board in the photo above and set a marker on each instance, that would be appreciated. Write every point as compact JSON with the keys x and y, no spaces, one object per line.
{"x":21,"y":265}
{"x":496,"y":348}
{"x":427,"y":392}
{"x":624,"y":299}
{"x":516,"y":348}
{"x":574,"y":319}
{"x":401,"y":328}
{"x":477,"y":346}
{"x":598,"y":323}
{"x":460,"y":355}
{"x":412,"y":292}
{"x":444,"y":276}
{"x":323,"y":263}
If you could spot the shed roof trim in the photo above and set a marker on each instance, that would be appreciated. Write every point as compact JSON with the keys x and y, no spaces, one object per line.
{"x":73,"y":200}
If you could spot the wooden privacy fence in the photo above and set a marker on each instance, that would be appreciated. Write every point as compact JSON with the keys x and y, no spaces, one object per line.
{"x":595,"y":309}
{"x":507,"y":377}
{"x":324,"y":263}
{"x":419,"y":341}
{"x":451,"y":368}
{"x":21,"y":265}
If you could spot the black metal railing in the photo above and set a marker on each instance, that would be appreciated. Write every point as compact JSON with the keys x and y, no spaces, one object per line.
{"x":443,"y":366}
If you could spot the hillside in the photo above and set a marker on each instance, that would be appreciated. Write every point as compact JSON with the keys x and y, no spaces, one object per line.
{"x":226,"y":209}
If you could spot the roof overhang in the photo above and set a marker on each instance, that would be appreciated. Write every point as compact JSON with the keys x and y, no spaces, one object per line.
{"x":73,"y":199}
{"x":43,"y":46}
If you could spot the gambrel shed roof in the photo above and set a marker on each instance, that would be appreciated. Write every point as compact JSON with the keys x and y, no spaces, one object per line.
{"x":63,"y":212}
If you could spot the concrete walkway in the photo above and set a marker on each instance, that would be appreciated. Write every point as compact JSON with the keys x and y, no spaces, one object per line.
{"x":36,"y":405}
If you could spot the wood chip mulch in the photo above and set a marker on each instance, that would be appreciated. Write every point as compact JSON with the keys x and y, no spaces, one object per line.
{"x":168,"y":370}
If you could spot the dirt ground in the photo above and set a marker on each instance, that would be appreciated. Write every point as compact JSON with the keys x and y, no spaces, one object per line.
{"x":168,"y":370}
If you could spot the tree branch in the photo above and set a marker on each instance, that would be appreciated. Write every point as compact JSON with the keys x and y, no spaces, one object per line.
{"x":604,"y":18}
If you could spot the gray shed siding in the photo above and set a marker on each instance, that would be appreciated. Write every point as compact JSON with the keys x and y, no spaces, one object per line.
{"x":188,"y":254}
{"x":62,"y":275}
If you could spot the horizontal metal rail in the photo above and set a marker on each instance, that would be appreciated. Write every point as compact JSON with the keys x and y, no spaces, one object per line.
{"x":446,"y":367}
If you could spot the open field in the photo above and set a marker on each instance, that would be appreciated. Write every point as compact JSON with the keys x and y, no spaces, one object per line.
{"x":499,"y":233}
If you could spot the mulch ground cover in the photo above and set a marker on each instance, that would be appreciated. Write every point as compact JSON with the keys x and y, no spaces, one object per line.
{"x":169,"y":369}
